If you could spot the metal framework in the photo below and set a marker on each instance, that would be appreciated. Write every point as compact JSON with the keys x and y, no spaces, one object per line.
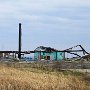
{"x":49,"y":50}
{"x":46,"y":49}
{"x":74,"y":52}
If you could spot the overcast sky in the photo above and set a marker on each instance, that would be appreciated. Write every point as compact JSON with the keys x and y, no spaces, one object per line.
{"x":55,"y":23}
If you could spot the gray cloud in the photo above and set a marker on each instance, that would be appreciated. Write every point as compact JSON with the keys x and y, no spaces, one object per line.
{"x":52,"y":18}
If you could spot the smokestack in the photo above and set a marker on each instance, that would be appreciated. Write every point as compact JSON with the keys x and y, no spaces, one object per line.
{"x":19,"y":49}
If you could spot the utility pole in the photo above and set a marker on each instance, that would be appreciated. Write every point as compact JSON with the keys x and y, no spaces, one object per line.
{"x":19,"y":49}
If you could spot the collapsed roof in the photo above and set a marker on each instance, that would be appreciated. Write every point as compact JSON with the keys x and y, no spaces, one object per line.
{"x":47,"y":49}
{"x":70,"y":50}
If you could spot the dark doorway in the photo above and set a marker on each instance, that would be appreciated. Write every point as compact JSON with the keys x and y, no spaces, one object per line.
{"x":48,"y":57}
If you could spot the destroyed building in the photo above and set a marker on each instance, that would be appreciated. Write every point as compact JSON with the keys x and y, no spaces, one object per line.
{"x":47,"y":53}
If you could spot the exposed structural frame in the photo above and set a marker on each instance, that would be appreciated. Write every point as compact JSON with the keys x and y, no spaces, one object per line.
{"x":74,"y":52}
{"x":20,"y":52}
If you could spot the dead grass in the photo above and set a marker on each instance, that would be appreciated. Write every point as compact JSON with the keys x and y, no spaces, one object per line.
{"x":27,"y":79}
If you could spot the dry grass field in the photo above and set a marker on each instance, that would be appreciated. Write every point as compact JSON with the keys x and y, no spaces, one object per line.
{"x":34,"y":79}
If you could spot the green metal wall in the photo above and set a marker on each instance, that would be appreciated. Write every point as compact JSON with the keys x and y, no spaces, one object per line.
{"x":60,"y":55}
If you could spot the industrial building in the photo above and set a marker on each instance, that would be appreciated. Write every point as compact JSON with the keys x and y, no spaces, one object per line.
{"x":45,"y":53}
{"x":48,"y":53}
